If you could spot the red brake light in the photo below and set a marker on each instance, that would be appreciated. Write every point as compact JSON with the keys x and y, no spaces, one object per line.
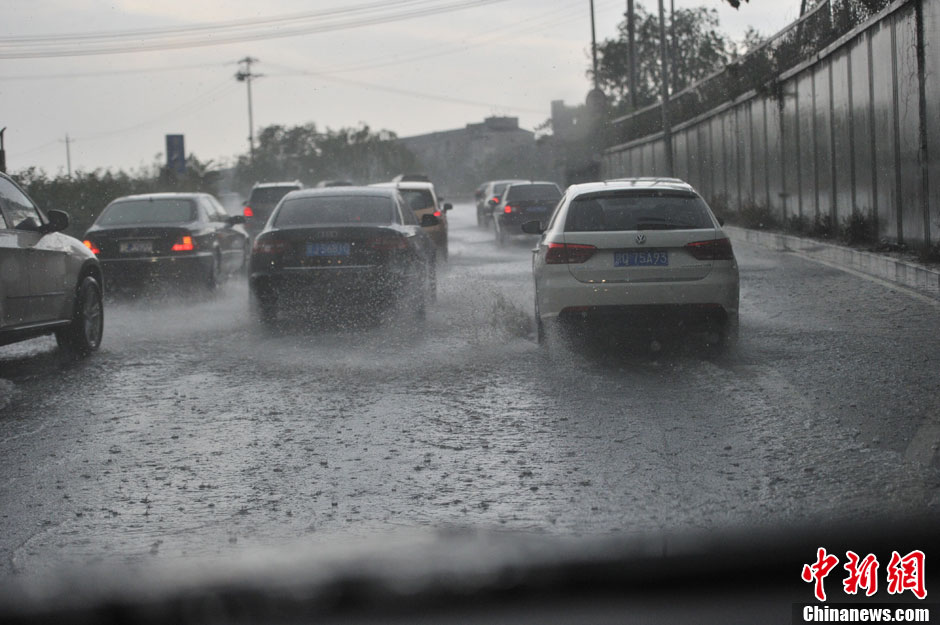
{"x":185,"y":244}
{"x":94,"y":248}
{"x":388,"y":243}
{"x":713,"y":249}
{"x":269,"y":246}
{"x":568,"y":253}
{"x":437,"y":213}
{"x":495,"y":199}
{"x":508,"y":209}
{"x":247,"y":212}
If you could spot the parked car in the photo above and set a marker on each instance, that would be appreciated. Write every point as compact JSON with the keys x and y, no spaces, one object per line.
{"x":640,"y":253}
{"x":522,"y":202}
{"x":489,"y":197}
{"x":261,"y":201}
{"x":50,"y":282}
{"x":167,"y":237}
{"x":423,"y":200}
{"x":357,"y":247}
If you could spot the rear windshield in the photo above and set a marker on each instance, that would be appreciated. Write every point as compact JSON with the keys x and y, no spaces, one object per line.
{"x":520,"y":193}
{"x":418,"y":199}
{"x":156,"y":211}
{"x":655,"y":210}
{"x":335,"y":209}
{"x":269,"y":195}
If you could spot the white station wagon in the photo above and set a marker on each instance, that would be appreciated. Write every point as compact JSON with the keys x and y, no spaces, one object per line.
{"x":641,"y":254}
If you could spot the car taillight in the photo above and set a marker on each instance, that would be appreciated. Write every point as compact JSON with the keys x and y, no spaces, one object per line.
{"x":437,"y":213}
{"x":185,"y":244}
{"x":247,"y":212}
{"x":94,"y":248}
{"x":270,"y":246}
{"x":568,"y":253}
{"x":388,"y":243}
{"x":495,"y":199}
{"x":508,"y":209}
{"x":714,"y":249}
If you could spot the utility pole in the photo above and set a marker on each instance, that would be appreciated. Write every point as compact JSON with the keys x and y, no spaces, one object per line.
{"x":667,"y":128}
{"x":245,"y":76}
{"x":3,"y":152}
{"x":594,"y":45}
{"x":674,"y":47}
{"x":68,"y":155}
{"x":631,"y":38}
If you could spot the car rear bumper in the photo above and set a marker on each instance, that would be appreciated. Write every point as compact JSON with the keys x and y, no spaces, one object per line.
{"x":143,"y":270}
{"x":558,"y":292}
{"x":339,"y":285}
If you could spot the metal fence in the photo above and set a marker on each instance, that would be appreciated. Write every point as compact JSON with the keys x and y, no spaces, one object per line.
{"x":844,"y":136}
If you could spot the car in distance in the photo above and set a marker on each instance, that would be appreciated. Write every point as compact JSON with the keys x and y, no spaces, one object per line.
{"x":50,"y":282}
{"x":522,"y":202}
{"x":261,"y":201}
{"x":358,"y":248}
{"x":413,"y":177}
{"x":489,"y":197}
{"x":323,"y":184}
{"x":636,"y":253}
{"x":167,"y":237}
{"x":423,"y":200}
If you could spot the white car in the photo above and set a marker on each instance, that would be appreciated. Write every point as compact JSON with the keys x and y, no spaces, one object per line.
{"x":640,"y":253}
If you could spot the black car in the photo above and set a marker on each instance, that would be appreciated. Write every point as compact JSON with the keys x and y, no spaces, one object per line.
{"x":50,"y":282}
{"x":167,"y":238}
{"x":361,"y":248}
{"x":522,"y":202}
{"x":263,"y":198}
{"x":488,"y":196}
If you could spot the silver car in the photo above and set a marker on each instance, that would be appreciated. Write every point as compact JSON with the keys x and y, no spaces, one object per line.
{"x":49,"y":282}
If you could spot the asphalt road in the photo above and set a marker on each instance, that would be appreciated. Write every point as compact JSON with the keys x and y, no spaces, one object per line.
{"x":195,"y":434}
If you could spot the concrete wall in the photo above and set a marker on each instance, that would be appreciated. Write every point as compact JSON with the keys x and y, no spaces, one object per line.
{"x":843,"y":133}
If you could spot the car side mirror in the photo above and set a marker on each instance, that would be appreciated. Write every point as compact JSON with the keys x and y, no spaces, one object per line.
{"x":533,"y":227}
{"x":58,"y":221}
{"x":428,"y":220}
{"x":448,"y":206}
{"x":234,"y":220}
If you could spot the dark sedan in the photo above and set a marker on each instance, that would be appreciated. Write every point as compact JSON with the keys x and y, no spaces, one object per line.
{"x":360,"y":248}
{"x":49,"y":283}
{"x":522,"y":202}
{"x":167,"y":238}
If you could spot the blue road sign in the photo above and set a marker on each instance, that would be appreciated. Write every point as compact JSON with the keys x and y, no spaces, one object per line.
{"x":175,"y":154}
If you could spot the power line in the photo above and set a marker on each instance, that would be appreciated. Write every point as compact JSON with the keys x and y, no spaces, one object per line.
{"x":53,"y":47}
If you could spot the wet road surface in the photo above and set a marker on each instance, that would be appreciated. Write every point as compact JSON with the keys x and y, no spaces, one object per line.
{"x":195,"y":434}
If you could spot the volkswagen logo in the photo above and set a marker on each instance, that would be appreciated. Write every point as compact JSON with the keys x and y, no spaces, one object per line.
{"x":641,"y":238}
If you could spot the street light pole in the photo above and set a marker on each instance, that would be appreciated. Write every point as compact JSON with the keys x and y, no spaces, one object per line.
{"x":631,"y":38}
{"x":245,"y":76}
{"x":667,"y":128}
{"x":594,"y":45}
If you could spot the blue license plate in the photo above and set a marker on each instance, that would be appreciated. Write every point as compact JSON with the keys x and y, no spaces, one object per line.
{"x":327,"y":249}
{"x":646,"y":258}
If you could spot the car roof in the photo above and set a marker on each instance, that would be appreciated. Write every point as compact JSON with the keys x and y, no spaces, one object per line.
{"x":340,"y":191}
{"x":180,"y":195}
{"x":507,"y":181}
{"x":288,"y":183}
{"x":409,"y":184}
{"x":616,"y":184}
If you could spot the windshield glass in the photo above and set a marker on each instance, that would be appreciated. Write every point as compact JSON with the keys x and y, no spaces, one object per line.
{"x":637,"y":211}
{"x":269,"y":195}
{"x":418,"y":199}
{"x":155,"y":211}
{"x":522,"y":193}
{"x":335,"y":209}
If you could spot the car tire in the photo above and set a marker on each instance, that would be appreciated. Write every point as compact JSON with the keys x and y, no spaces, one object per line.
{"x":214,"y":278}
{"x":264,"y":308}
{"x":83,"y":335}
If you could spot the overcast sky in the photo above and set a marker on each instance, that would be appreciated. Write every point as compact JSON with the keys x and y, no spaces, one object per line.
{"x":410,"y":75}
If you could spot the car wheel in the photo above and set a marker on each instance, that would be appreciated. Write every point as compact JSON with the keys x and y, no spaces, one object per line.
{"x":264,"y":308}
{"x":83,"y":334}
{"x":214,"y":279}
{"x":501,"y":237}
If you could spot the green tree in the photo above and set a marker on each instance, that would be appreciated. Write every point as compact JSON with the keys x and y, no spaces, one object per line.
{"x":307,"y":154}
{"x":700,"y":49}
